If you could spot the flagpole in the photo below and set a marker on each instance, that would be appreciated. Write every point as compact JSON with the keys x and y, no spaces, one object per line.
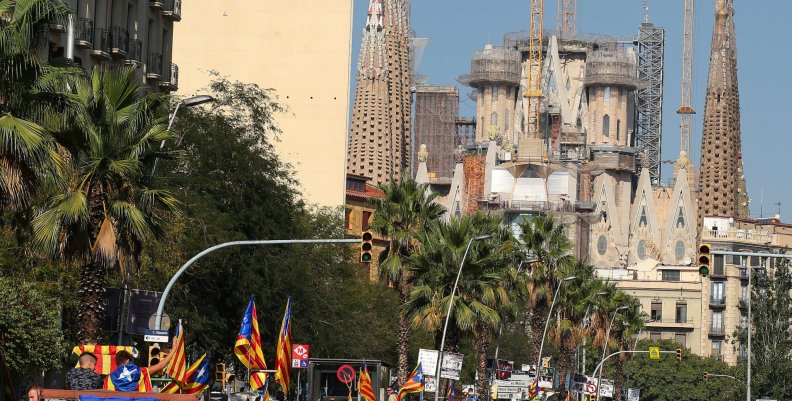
{"x":298,"y":384}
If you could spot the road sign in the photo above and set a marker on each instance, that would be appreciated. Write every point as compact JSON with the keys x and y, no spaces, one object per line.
{"x":345,"y":374}
{"x":654,"y":352}
{"x":633,"y":394}
{"x":300,"y":356}
{"x":428,"y":360}
{"x":155,"y":336}
{"x":452,"y":365}
{"x":430,"y":384}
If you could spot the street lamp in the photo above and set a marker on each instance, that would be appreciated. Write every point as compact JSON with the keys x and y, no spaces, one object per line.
{"x":187,"y":102}
{"x":547,"y":324}
{"x":448,"y":313}
{"x":605,"y":347}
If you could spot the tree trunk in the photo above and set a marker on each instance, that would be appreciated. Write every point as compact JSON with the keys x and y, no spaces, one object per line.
{"x":537,"y":331}
{"x":565,"y":362}
{"x":403,"y":337}
{"x":483,"y":337}
{"x":91,"y":302}
{"x":618,"y":379}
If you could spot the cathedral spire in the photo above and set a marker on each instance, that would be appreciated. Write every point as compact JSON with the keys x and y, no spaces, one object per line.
{"x":379,"y":137}
{"x":722,"y":190}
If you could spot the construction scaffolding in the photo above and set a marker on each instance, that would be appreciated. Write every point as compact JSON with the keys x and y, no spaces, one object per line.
{"x":649,"y":98}
{"x":610,"y":64}
{"x":436,"y":114}
{"x":493,"y":65}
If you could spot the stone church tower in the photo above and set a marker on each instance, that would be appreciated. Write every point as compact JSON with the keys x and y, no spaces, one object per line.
{"x":722,"y":190}
{"x":379,"y":138}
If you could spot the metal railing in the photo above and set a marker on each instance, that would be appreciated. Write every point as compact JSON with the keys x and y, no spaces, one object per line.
{"x":172,"y":76}
{"x":120,"y":39}
{"x":717,"y":330}
{"x":135,"y":50}
{"x":84,"y":34}
{"x":102,"y":40}
{"x":717,"y":300}
{"x":154,"y":64}
{"x":172,"y":8}
{"x":755,"y":236}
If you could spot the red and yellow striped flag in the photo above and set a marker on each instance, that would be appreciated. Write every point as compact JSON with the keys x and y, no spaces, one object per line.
{"x":283,"y":352}
{"x":248,"y":345}
{"x":177,"y":367}
{"x":105,"y":356}
{"x":365,"y":389}
{"x":196,"y":379}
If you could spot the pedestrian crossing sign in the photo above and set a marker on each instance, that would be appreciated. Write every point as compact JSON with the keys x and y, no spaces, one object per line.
{"x":654,"y":352}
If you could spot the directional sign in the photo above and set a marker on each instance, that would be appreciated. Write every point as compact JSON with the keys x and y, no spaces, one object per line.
{"x":300,"y":356}
{"x":428,"y":361}
{"x":345,"y":374}
{"x":654,"y":352}
{"x":155,"y":336}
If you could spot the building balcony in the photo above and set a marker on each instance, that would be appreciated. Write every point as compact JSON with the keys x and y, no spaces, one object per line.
{"x":135,"y":54}
{"x":717,"y":331}
{"x":170,"y":80}
{"x":718,"y":272}
{"x":743,"y":273}
{"x":156,"y":4}
{"x":172,"y":10}
{"x":119,"y":40}
{"x":154,"y":66}
{"x":84,"y":34}
{"x":718,"y":302}
{"x":102,"y":46}
{"x":671,"y":324}
{"x":740,"y":236}
{"x":57,"y":27}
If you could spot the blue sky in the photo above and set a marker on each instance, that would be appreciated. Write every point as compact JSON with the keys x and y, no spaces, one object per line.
{"x":456,"y":28}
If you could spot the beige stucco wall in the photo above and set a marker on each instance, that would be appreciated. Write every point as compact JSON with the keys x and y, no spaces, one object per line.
{"x":302,"y":49}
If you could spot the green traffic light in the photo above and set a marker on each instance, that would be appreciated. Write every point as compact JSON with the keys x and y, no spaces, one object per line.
{"x":704,"y":271}
{"x":365,"y":257}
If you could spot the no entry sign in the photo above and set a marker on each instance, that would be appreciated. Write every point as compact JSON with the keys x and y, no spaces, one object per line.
{"x":345,"y":374}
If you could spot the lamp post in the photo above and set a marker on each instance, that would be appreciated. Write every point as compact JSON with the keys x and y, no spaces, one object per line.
{"x":188,"y":102}
{"x":605,"y":347}
{"x":547,"y":324}
{"x":448,"y":313}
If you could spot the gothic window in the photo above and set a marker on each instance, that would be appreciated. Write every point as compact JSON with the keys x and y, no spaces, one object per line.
{"x":494,"y":94}
{"x":606,"y":125}
{"x":494,"y":118}
{"x":606,"y":96}
{"x":643,"y":220}
{"x":641,"y":249}
{"x":679,"y":250}
{"x":602,"y":245}
{"x":680,"y":220}
{"x":618,"y":129}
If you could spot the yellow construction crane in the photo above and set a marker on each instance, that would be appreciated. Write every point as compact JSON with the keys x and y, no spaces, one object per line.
{"x":567,"y":10}
{"x":533,"y":93}
{"x":685,"y":111}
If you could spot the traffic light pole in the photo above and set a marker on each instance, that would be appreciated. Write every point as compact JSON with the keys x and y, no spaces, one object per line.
{"x":161,"y":307}
{"x":750,"y":273}
{"x":598,"y":369}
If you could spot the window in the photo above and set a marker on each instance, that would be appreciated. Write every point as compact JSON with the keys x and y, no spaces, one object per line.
{"x":494,"y":118}
{"x":743,"y":320}
{"x":680,"y":338}
{"x":606,"y":125}
{"x":655,"y":336}
{"x":716,"y":349}
{"x":657,"y":311}
{"x":754,"y":261}
{"x":670,"y":275}
{"x":744,"y":292}
{"x":494,"y":93}
{"x":602,"y":245}
{"x":641,"y":249}
{"x":506,"y":119}
{"x":618,"y":129}
{"x":348,"y":219}
{"x":681,"y":312}
{"x":717,"y":294}
{"x":679,"y":250}
{"x":366,"y":220}
{"x":717,"y":266}
{"x":606,"y":96}
{"x":717,"y":322}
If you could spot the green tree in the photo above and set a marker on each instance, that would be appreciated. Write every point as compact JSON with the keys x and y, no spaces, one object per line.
{"x":30,"y":328}
{"x":547,"y":248}
{"x":109,"y":130}
{"x":484,"y":290}
{"x":405,"y":211}
{"x":26,"y":150}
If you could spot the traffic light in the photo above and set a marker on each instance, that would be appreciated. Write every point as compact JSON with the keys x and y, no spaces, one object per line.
{"x":679,"y":354}
{"x":154,"y":355}
{"x":704,"y":259}
{"x":494,"y":392}
{"x":220,"y":374}
{"x":706,"y":376}
{"x":366,"y":247}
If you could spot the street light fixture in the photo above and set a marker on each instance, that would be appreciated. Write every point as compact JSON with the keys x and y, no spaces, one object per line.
{"x":187,"y":102}
{"x":448,"y":313}
{"x":547,"y":324}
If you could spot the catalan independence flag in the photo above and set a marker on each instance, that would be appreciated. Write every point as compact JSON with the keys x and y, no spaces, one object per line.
{"x":248,"y":344}
{"x":177,"y":367}
{"x":105,"y":356}
{"x":196,"y":379}
{"x":283,"y":353}
{"x":414,"y":383}
{"x":365,"y":388}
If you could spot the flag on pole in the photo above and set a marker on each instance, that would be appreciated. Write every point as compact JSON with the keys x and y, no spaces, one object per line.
{"x":365,"y":389}
{"x":248,"y":345}
{"x":283,"y":352}
{"x":414,"y":383}
{"x":177,"y":367}
{"x":196,"y":379}
{"x":450,"y":395}
{"x":533,"y":389}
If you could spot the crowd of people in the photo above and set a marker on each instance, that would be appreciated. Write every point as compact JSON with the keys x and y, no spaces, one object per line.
{"x":126,"y":377}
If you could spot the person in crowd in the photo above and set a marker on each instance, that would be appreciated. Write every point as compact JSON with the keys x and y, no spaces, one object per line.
{"x":84,"y":377}
{"x":34,"y":393}
{"x":130,"y":377}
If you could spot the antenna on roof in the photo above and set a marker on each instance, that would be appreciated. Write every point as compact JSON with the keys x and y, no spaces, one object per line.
{"x":646,"y":11}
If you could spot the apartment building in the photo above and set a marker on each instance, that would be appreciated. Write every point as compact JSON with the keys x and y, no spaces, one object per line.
{"x":135,"y":33}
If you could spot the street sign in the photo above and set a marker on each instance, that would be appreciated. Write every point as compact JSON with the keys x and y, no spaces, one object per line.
{"x":633,"y":394}
{"x":428,"y":360}
{"x":155,"y":336}
{"x":452,"y":365}
{"x":654,"y":352}
{"x":345,"y":374}
{"x":430,"y":384}
{"x":300,"y":356}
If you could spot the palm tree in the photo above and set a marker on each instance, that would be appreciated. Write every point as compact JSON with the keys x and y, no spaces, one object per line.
{"x":406,"y":210}
{"x":630,"y":324}
{"x":27,"y":155}
{"x":547,"y":247}
{"x":485,"y":288}
{"x":109,"y":131}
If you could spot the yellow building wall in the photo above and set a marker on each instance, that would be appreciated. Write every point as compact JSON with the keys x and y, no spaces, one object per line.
{"x":300,"y":48}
